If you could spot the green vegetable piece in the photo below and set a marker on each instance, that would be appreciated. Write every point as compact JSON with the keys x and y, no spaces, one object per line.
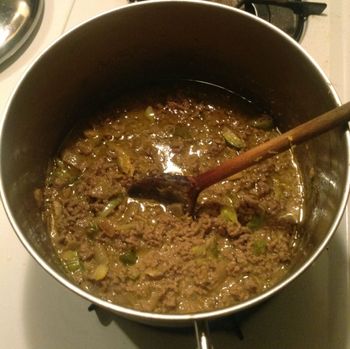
{"x":232,"y":139}
{"x":259,"y":247}
{"x":100,"y":272}
{"x":149,"y":114}
{"x":199,"y":250}
{"x":64,"y":174}
{"x":69,"y":255}
{"x":256,"y":222}
{"x":212,"y":247}
{"x":128,"y":257}
{"x":71,"y":260}
{"x":264,"y":122}
{"x":229,"y":214}
{"x":209,"y":249}
{"x":112,"y":204}
{"x":124,"y":163}
{"x":182,"y":131}
{"x":92,"y":229}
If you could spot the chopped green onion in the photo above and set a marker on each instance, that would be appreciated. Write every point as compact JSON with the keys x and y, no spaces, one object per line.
{"x":259,"y":247}
{"x":124,"y":163}
{"x":100,"y":272}
{"x":92,"y":229}
{"x":112,"y":204}
{"x":149,"y":113}
{"x":212,"y":247}
{"x":229,"y":213}
{"x":128,"y":257}
{"x":256,"y":222}
{"x":209,"y":249}
{"x":64,"y":174}
{"x":71,"y":260}
{"x":264,"y":122}
{"x":232,"y":139}
{"x":199,"y":250}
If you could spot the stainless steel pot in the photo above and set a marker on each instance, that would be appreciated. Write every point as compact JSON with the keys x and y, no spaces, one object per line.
{"x":141,"y":43}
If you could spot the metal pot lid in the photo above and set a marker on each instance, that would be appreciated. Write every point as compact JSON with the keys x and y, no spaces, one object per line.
{"x":18,"y":21}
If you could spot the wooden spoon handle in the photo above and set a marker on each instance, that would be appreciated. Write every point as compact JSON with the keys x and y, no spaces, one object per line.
{"x":277,"y":145}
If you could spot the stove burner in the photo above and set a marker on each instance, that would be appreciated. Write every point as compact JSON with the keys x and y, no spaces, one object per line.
{"x":288,"y":15}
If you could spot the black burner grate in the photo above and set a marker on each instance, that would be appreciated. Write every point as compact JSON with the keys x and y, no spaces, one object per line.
{"x":288,"y":15}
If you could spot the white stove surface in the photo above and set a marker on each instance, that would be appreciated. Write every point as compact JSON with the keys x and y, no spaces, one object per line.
{"x":312,"y":313}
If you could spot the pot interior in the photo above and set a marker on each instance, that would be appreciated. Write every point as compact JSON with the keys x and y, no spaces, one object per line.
{"x":139,"y":44}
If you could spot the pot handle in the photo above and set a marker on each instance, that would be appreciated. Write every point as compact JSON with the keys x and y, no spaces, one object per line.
{"x":201,"y":328}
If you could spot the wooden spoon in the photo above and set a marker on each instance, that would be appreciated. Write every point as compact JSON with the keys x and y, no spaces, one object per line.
{"x":185,"y":189}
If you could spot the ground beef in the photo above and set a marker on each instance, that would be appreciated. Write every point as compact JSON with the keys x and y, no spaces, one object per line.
{"x":155,"y":257}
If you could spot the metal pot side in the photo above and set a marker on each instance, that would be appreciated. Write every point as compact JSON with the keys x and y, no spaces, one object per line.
{"x":140,"y":43}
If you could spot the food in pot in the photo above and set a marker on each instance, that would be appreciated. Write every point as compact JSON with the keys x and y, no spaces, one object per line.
{"x":152,"y":256}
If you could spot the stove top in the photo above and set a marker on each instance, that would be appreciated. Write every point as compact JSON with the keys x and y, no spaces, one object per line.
{"x":312,"y":313}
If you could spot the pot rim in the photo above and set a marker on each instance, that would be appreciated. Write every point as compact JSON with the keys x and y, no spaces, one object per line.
{"x":175,"y":318}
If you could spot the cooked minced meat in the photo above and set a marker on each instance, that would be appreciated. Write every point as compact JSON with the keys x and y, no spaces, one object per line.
{"x":154,"y":257}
